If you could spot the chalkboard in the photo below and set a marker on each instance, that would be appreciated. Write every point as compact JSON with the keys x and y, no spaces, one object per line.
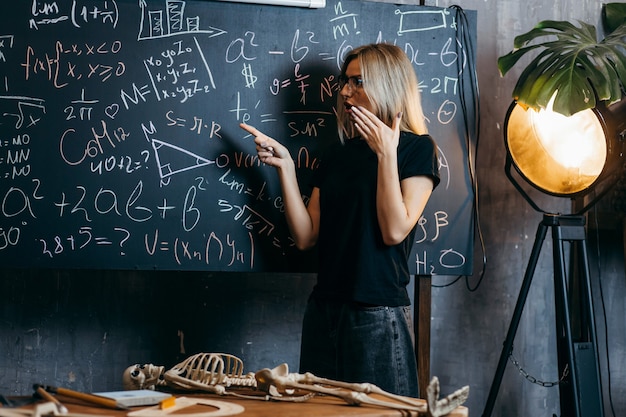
{"x":119,"y":138}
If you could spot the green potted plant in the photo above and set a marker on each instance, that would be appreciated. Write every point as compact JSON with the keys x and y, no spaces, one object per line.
{"x":573,"y":64}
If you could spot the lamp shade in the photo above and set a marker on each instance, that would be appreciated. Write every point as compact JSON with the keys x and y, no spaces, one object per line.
{"x":561,"y":155}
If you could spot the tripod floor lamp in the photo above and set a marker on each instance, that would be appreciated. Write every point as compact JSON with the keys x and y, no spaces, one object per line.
{"x":564,"y":156}
{"x":564,"y":135}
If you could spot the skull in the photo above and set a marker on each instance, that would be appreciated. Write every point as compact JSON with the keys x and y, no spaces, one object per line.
{"x":145,"y":376}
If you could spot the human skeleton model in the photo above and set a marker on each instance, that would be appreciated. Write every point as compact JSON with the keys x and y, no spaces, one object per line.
{"x":222,"y":374}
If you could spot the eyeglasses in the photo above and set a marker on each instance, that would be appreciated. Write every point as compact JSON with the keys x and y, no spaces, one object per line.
{"x":353,"y":82}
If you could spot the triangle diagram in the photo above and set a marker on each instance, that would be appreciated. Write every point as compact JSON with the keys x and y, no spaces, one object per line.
{"x":172,"y":159}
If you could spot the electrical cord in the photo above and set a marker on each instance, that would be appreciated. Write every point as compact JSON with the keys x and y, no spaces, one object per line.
{"x":464,"y":43}
{"x":603,"y":304}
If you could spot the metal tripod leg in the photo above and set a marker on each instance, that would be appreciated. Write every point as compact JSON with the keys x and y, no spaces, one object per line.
{"x":580,"y":392}
{"x":517,"y":314}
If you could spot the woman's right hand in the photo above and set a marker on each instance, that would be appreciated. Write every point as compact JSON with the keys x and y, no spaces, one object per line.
{"x":303,"y":221}
{"x":270,"y":151}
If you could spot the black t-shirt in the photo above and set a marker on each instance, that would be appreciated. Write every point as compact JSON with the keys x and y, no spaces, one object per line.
{"x":354,"y":262}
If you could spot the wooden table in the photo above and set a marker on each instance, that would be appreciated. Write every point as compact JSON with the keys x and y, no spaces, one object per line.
{"x":319,"y":406}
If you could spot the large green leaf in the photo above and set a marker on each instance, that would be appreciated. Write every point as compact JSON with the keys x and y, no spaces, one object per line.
{"x":613,"y":15}
{"x":572,"y":64}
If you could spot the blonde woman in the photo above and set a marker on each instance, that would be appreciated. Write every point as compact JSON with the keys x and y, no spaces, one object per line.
{"x":368,"y":194}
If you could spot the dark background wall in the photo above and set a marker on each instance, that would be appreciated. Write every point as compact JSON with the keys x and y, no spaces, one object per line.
{"x":82,"y":328}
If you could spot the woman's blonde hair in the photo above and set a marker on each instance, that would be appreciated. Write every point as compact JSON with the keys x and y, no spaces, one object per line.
{"x":390,"y":83}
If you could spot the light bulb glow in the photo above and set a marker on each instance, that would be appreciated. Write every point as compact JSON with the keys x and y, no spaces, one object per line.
{"x":559,"y":154}
{"x":575,"y":142}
